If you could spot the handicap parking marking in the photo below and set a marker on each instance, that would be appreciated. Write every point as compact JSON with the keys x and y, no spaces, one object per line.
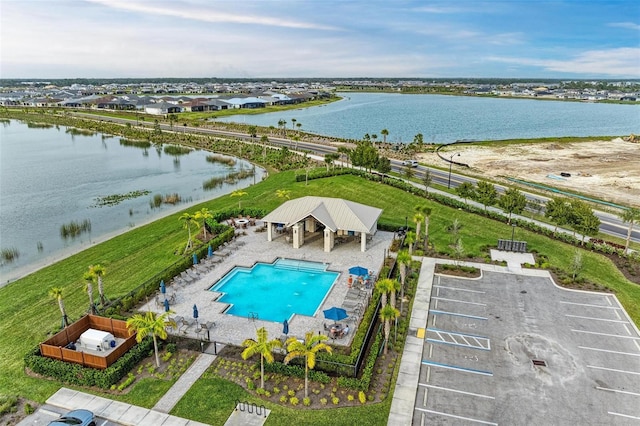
{"x":459,"y":339}
{"x":456,"y":368}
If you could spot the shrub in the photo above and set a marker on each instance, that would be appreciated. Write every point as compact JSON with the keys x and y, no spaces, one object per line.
{"x":291,"y":392}
{"x":283,"y":399}
{"x":28,"y":409}
{"x":294,"y":401}
{"x":362,"y":397}
{"x":130,"y":379}
{"x":323,"y":401}
{"x":335,"y":400}
{"x":306,"y":401}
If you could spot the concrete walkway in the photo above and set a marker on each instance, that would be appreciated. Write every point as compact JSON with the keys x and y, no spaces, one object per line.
{"x":184,"y":383}
{"x":404,"y":395}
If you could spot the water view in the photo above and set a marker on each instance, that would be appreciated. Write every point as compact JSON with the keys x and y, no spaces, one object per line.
{"x":50,"y":178}
{"x":445,"y":119}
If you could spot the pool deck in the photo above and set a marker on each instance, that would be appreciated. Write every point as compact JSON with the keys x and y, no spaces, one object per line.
{"x":254,"y":247}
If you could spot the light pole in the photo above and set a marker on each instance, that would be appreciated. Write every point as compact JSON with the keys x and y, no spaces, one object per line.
{"x":450,"y":164}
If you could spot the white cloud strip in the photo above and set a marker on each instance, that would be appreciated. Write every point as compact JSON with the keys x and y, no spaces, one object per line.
{"x":627,"y":25}
{"x":206,"y":15}
{"x":622,"y":61}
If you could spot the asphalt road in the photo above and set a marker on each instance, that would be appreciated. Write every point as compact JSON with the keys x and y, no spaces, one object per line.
{"x":610,"y":224}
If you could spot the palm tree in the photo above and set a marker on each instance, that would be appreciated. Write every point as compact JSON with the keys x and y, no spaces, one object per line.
{"x":203,"y":215}
{"x":99,"y":271}
{"x":308,"y":349}
{"x":385,"y":286}
{"x":388,"y":314}
{"x":264,"y":139}
{"x":410,"y":238}
{"x":630,"y":216}
{"x":345,"y":151}
{"x":384,"y":133}
{"x":56,"y":293}
{"x":152,"y":324}
{"x":239,"y":193}
{"x":426,"y":211}
{"x":418,"y":218}
{"x":261,"y":346}
{"x":188,"y":220}
{"x":404,"y":260}
{"x":89,"y":280}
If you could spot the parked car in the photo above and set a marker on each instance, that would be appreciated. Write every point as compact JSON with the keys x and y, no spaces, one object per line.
{"x":75,"y":417}
{"x":410,"y":163}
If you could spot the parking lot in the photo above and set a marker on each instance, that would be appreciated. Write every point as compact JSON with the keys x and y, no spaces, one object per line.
{"x":514,"y":349}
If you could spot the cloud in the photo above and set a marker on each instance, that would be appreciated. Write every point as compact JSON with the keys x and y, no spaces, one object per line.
{"x":207,"y":15}
{"x":627,"y":25}
{"x":614,"y":62}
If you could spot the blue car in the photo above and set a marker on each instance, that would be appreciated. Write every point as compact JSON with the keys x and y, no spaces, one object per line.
{"x":75,"y":417}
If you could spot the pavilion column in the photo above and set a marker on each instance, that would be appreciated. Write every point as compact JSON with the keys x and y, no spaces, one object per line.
{"x":298,"y":235}
{"x":363,"y":242}
{"x":329,"y":240}
{"x":269,"y":231}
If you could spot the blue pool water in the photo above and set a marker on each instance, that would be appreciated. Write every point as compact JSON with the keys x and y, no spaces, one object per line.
{"x":276,"y":291}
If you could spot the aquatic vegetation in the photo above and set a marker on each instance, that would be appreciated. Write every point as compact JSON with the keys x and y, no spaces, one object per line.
{"x":33,"y":125}
{"x":135,"y":143}
{"x":79,"y":132}
{"x":176,"y":150}
{"x":8,"y":255}
{"x":112,"y":200}
{"x":73,"y":228}
{"x":221,"y":159}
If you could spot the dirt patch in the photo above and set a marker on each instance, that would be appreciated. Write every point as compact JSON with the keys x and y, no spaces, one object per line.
{"x":18,"y":411}
{"x":607,"y":169}
{"x":461,"y":271}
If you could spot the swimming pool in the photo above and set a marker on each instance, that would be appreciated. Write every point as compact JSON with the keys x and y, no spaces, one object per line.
{"x":275,"y":291}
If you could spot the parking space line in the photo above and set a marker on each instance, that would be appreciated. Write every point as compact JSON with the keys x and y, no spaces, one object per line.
{"x":457,"y":417}
{"x":479,"y":395}
{"x":606,"y":350}
{"x":626,"y":329}
{"x":605,"y":334}
{"x":459,"y":289}
{"x":623,"y":415}
{"x":453,"y":367}
{"x":617,"y":391}
{"x":595,"y":319}
{"x":608,"y":299}
{"x":459,"y":301}
{"x":638,"y":345}
{"x":455,"y":314}
{"x":589,"y":305}
{"x":617,"y":314}
{"x":613,"y":369}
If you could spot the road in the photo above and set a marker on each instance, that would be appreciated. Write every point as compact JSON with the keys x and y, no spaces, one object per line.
{"x":610,"y":224}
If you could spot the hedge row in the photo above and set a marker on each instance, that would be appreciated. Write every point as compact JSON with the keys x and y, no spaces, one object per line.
{"x":364,"y":382}
{"x":295,"y":371}
{"x":75,"y":374}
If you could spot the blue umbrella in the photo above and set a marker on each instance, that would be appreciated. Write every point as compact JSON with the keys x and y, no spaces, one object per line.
{"x":335,"y":314}
{"x":166,"y":305}
{"x":358,"y":270}
{"x":210,"y":251}
{"x":285,"y":327}
{"x":163,"y":288}
{"x":195,"y":259}
{"x":195,"y":313}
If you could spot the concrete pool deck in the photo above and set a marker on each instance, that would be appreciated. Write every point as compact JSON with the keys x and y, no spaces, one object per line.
{"x":254,"y":248}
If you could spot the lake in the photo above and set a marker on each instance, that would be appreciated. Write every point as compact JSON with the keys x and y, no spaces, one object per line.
{"x":445,"y":119}
{"x":49,"y":178}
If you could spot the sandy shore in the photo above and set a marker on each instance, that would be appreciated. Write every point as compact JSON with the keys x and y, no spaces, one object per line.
{"x":607,"y":169}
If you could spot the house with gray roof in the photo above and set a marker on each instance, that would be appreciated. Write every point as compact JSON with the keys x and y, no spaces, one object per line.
{"x":331,"y":217}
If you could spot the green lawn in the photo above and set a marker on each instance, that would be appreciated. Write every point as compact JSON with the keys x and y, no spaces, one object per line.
{"x":28,"y":314}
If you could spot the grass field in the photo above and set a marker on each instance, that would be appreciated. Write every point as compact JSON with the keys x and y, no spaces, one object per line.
{"x":28,"y":314}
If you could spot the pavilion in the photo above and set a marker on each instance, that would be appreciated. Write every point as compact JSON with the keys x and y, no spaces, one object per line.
{"x":334,"y":217}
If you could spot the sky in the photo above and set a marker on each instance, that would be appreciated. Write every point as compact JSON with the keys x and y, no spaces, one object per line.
{"x":570,"y":39}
